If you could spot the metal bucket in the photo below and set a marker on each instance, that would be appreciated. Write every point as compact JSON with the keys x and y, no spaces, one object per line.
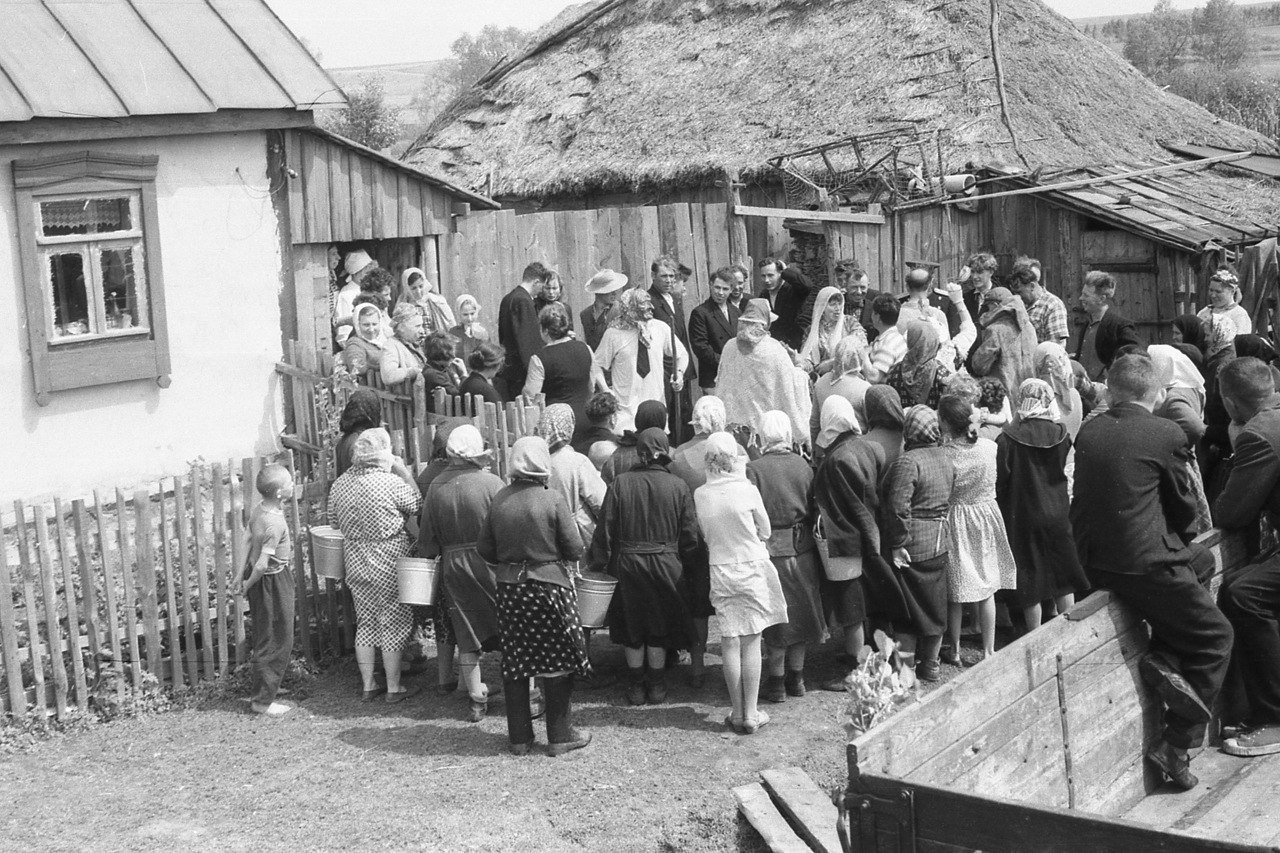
{"x":595,"y":591}
{"x":326,"y":549}
{"x":419,"y":580}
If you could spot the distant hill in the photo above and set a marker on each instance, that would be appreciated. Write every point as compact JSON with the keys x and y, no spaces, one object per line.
{"x":403,"y":79}
{"x":1102,"y":19}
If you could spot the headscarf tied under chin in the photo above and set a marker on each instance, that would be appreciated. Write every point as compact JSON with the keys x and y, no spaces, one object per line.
{"x":531,"y":460}
{"x":653,"y":447}
{"x":823,"y":334}
{"x":838,"y":418}
{"x":884,"y":408}
{"x":373,"y":450}
{"x":1220,"y":335}
{"x":709,"y":415}
{"x":555,"y":426}
{"x":920,"y":428}
{"x":1053,"y":365}
{"x":466,"y":444}
{"x":920,"y":365}
{"x":363,"y":410}
{"x":775,"y":432}
{"x":362,"y":309}
{"x":1036,"y":400}
{"x":753,"y":325}
{"x":1176,"y":370}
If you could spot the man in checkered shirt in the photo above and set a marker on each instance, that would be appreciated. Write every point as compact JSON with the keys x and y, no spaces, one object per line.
{"x":1047,"y":312}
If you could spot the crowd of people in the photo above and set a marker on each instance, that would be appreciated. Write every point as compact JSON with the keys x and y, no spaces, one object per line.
{"x":854,"y":460}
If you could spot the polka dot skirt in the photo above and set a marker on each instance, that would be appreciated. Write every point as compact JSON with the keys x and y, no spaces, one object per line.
{"x":541,"y":632}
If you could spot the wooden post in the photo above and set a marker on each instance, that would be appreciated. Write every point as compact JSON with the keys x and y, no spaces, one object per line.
{"x":738,"y":249}
{"x":127,"y":558}
{"x":53,"y":631}
{"x":220,"y":565}
{"x":303,"y":602}
{"x":88,"y":593}
{"x":73,"y":611}
{"x":202,"y":574}
{"x":147,"y":582}
{"x":238,"y":559}
{"x":189,"y":617}
{"x":114,"y":637}
{"x":29,"y":602}
{"x":9,"y":637}
{"x":174,"y":620}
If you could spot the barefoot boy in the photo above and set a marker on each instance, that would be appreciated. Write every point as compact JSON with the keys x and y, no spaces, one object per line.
{"x":268,"y":583}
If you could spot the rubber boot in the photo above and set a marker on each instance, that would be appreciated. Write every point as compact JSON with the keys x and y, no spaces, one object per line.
{"x":562,"y":737}
{"x":775,"y":689}
{"x":635,"y":685}
{"x":519,"y":718}
{"x":795,"y":682}
{"x":655,"y":686}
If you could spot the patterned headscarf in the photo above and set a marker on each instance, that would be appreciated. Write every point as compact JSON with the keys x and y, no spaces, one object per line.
{"x":849,"y":355}
{"x":653,"y":447}
{"x":1053,"y":365}
{"x":709,"y":415}
{"x":1221,"y":334}
{"x":372,"y":450}
{"x":920,"y":364}
{"x":530,"y":460}
{"x":920,"y":428}
{"x":555,"y":427}
{"x":1036,"y":400}
{"x":721,"y":455}
{"x":775,"y":431}
{"x":838,"y":418}
{"x":884,"y":408}
{"x":403,"y":313}
{"x":630,"y":312}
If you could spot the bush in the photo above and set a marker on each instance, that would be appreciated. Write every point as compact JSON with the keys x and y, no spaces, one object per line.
{"x":1243,"y":97}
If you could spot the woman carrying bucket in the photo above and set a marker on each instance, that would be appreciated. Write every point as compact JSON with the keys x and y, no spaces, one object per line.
{"x":454,"y":510}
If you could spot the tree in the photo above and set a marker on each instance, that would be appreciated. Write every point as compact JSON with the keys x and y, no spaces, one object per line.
{"x":438,"y":89}
{"x":1221,"y":36}
{"x":367,"y":118}
{"x":476,"y":54}
{"x":1156,"y":41}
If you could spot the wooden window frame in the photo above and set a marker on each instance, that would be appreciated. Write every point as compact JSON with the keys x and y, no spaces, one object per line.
{"x":61,"y":364}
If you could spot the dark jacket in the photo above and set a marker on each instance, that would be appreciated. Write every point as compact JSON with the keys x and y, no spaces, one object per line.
{"x":1133,"y":508}
{"x":788,"y":304}
{"x":865,"y":315}
{"x":477,"y":384}
{"x":674,"y":319}
{"x":1114,"y":331}
{"x":593,"y":329}
{"x":520,"y":335}
{"x":709,"y":331}
{"x":1254,"y":484}
{"x":548,"y":535}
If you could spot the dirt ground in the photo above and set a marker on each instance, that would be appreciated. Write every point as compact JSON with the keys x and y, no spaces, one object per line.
{"x":338,"y":774}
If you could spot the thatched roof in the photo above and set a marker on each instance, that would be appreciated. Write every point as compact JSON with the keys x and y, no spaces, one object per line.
{"x":672,"y":92}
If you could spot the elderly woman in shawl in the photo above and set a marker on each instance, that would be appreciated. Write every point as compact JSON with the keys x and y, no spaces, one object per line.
{"x":537,"y":609}
{"x":920,"y":379}
{"x":646,"y":535}
{"x":1031,"y":489}
{"x":785,"y":482}
{"x":402,"y":355}
{"x":1183,"y":402}
{"x":845,"y":380}
{"x":757,"y":375}
{"x":917,"y":495}
{"x":370,"y":505}
{"x":830,"y":326}
{"x":745,"y":588}
{"x":846,"y":497}
{"x":572,"y":474}
{"x":1008,"y":347}
{"x":631,"y":353}
{"x":454,"y":509}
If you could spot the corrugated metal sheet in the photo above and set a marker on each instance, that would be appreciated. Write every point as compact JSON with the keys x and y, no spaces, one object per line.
{"x":115,"y":58}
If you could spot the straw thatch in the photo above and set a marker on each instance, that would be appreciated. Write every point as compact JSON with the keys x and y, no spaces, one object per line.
{"x":664,"y":93}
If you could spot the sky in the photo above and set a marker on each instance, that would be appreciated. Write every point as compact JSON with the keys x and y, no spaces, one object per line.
{"x":377,"y":32}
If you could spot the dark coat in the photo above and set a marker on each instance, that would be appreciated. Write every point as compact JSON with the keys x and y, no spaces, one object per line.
{"x":674,"y":319}
{"x":864,"y":314}
{"x":1031,"y":488}
{"x":788,"y":304}
{"x":1254,"y":483}
{"x":477,"y":384}
{"x":520,"y":334}
{"x":785,"y":482}
{"x":593,"y":329}
{"x":1114,"y":331}
{"x":1133,"y":507}
{"x":709,"y":331}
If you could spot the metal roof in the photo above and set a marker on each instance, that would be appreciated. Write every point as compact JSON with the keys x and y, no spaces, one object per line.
{"x":1267,"y":165}
{"x":117,"y":58}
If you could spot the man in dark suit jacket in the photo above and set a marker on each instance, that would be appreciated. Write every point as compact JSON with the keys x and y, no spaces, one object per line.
{"x":668,"y":306}
{"x":1132,"y":513}
{"x":1106,"y":331}
{"x":853,"y":282}
{"x":518,"y":330}
{"x":712,"y":325}
{"x":787,"y":291}
{"x":1250,"y":598}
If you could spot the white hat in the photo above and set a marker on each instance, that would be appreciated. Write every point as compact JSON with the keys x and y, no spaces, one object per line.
{"x":606,"y":281}
{"x":356,"y":261}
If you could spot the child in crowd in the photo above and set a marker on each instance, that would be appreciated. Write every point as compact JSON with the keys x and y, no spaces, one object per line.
{"x":268,"y":583}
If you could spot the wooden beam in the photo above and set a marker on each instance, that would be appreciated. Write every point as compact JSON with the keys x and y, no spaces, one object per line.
{"x":811,"y":811}
{"x":759,"y":810}
{"x":821,"y":215}
{"x":78,"y":129}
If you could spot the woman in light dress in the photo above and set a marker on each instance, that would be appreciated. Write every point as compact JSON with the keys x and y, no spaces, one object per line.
{"x":1224,"y":298}
{"x":829,"y":327}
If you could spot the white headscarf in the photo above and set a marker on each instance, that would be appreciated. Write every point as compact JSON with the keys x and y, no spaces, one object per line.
{"x":373,"y":450}
{"x":1175,"y":369}
{"x":823,"y":338}
{"x":708,"y":415}
{"x":775,"y":431}
{"x":721,"y":455}
{"x":837,"y":418}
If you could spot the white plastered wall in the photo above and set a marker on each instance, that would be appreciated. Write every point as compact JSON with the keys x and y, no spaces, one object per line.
{"x":221,"y":259}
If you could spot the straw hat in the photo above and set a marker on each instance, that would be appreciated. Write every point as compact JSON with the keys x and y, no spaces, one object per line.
{"x":606,"y":281}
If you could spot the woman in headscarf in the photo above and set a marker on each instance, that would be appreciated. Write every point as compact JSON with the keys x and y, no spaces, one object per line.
{"x":844,"y":380}
{"x":454,"y":509}
{"x":919,"y":379}
{"x":363,"y":411}
{"x":1224,"y":296}
{"x":484,"y":362}
{"x":829,"y":328}
{"x":745,"y":589}
{"x":1031,"y":489}
{"x":370,"y":504}
{"x":402,"y":357}
{"x":688,"y":461}
{"x":646,"y":535}
{"x":1008,"y":347}
{"x":1053,"y":367}
{"x":1215,"y":447}
{"x":1189,"y":337}
{"x":362,"y":350}
{"x":757,"y":375}
{"x":563,"y":370}
{"x":884,"y":421}
{"x":537,"y":606}
{"x":440,"y":369}
{"x":438,"y":614}
{"x":1183,"y":402}
{"x":917,"y":495}
{"x":979,"y":560}
{"x":847,"y":500}
{"x":468,"y":333}
{"x":785,"y":483}
{"x":417,"y":290}
{"x":651,"y":415}
{"x":632,"y":352}
{"x":572,"y":474}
